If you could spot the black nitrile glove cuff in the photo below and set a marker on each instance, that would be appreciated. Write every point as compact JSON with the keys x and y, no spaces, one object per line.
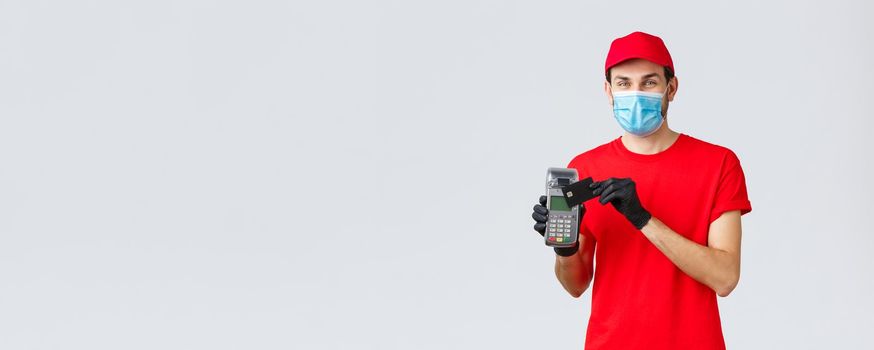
{"x":567,"y":251}
{"x":640,"y":219}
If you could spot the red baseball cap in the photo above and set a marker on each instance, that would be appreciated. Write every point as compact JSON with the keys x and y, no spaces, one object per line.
{"x":639,"y":45}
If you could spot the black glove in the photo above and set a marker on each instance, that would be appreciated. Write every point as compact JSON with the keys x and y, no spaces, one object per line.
{"x":623,"y":194}
{"x":540,"y":215}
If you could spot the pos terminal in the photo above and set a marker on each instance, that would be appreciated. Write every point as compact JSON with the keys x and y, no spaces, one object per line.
{"x":564,"y":195}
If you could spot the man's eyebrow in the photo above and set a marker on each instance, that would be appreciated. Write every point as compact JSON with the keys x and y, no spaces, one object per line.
{"x":650,"y":75}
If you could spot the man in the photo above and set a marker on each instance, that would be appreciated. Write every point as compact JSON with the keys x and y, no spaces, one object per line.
{"x":669,"y":241}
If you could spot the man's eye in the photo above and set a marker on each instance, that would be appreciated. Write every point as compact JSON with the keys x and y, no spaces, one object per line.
{"x":650,"y":82}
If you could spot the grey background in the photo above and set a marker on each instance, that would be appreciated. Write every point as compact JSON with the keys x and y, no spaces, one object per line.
{"x":346,"y":174}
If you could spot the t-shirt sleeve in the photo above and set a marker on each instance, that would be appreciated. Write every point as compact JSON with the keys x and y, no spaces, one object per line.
{"x":577,"y":163}
{"x":585,"y":231}
{"x":731,"y":191}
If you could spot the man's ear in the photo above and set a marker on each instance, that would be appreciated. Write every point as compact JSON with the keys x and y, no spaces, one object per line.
{"x":608,"y":92}
{"x":672,"y":89}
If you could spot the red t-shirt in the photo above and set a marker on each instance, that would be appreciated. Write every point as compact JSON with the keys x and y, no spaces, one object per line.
{"x":640,"y":299}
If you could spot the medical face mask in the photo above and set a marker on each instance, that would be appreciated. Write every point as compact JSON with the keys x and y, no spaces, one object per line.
{"x":638,"y":112}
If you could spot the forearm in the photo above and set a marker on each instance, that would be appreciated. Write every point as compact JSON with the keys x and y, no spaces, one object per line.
{"x":573,"y":274}
{"x":715,"y":268}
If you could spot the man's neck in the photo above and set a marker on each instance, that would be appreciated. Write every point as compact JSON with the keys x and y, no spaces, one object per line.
{"x":652,"y":144}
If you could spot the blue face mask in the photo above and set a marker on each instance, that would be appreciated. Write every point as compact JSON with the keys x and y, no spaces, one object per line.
{"x":638,"y":112}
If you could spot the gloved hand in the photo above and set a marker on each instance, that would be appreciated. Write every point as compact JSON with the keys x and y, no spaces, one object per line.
{"x":623,"y":194}
{"x":540,"y":215}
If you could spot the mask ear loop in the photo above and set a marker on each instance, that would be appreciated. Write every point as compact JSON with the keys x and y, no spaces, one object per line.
{"x":664,"y":95}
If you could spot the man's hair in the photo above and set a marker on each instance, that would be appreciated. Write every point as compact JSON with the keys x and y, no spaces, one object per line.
{"x":668,"y":74}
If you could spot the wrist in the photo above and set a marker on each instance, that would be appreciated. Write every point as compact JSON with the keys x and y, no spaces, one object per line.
{"x":640,"y":219}
{"x":571,"y":262}
{"x":567,"y":252}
